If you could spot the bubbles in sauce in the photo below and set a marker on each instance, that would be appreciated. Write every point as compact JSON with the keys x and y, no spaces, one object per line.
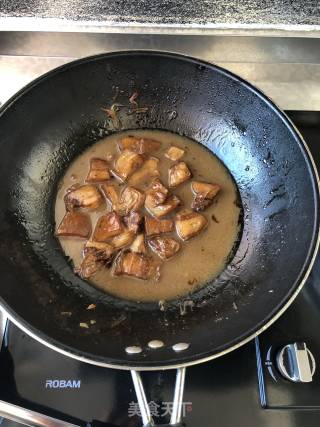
{"x":201,"y":258}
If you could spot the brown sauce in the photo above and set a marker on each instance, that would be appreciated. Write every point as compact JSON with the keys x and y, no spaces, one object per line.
{"x":201,"y":258}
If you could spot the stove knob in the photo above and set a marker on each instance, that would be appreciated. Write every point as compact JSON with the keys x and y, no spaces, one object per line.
{"x":296,"y":363}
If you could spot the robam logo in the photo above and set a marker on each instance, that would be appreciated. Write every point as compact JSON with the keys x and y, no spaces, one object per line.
{"x":63,"y":383}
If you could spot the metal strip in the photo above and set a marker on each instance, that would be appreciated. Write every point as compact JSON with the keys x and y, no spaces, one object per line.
{"x":142,"y":400}
{"x":3,"y":325}
{"x":176,"y":415}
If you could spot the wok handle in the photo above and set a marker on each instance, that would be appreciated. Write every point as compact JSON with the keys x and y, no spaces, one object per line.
{"x":176,"y":415}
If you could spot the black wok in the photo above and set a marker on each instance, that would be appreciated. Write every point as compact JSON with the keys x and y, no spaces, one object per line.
{"x":47,"y":124}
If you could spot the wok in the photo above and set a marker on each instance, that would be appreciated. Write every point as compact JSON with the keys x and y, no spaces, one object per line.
{"x":56,"y":117}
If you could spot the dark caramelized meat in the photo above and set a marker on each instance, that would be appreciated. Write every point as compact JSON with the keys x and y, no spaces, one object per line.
{"x":204,"y":194}
{"x":137,"y":265}
{"x":99,"y":171}
{"x":109,"y":225}
{"x":189,"y":224}
{"x":156,"y":194}
{"x":133,"y":221}
{"x":75,"y":224}
{"x":157,"y":226}
{"x":148,"y":171}
{"x":96,"y":255}
{"x":139,"y":145}
{"x":85,"y":196}
{"x":122,"y":240}
{"x":164,"y":247}
{"x":131,"y":200}
{"x":138,"y":245}
{"x":168,"y":206}
{"x":178,"y":174}
{"x":127,"y":163}
{"x":111,"y":194}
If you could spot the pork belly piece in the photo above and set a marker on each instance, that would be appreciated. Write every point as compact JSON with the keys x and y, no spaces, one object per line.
{"x":137,"y":265}
{"x":139,"y":245}
{"x":99,"y":171}
{"x":125,"y":238}
{"x":157,"y":226}
{"x":189,"y":224}
{"x":96,"y":255}
{"x":156,"y":194}
{"x":133,"y":221}
{"x":204,"y":194}
{"x":139,"y":145}
{"x":164,"y":247}
{"x":164,"y":209}
{"x":148,"y":170}
{"x":178,"y":173}
{"x":130,"y":198}
{"x":174,"y":153}
{"x":108,"y":225}
{"x":75,"y":224}
{"x":127,"y":163}
{"x":85,"y":196}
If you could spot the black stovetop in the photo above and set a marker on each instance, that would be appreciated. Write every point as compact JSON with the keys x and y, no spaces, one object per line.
{"x":239,"y":389}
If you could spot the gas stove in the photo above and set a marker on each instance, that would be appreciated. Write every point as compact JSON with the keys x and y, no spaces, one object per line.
{"x":272,"y":381}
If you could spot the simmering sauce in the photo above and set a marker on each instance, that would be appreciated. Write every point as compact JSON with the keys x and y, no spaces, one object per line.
{"x":200,"y":258}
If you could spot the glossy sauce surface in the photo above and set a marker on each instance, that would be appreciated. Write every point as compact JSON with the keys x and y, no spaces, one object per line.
{"x":201,"y":258}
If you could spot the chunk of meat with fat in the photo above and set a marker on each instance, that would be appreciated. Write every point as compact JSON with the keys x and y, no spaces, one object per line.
{"x":74,"y":224}
{"x":174,"y":153}
{"x":156,"y":194}
{"x":96,"y":255}
{"x":148,"y":170}
{"x":99,"y":171}
{"x":178,"y":173}
{"x":133,"y":221}
{"x":123,"y":239}
{"x":139,"y":245}
{"x":137,"y":265}
{"x":130,"y":199}
{"x":108,"y":225}
{"x":127,"y":163}
{"x":157,"y":226}
{"x":85,"y":196}
{"x":164,"y":247}
{"x":204,"y":194}
{"x":189,"y":224}
{"x":139,"y":145}
{"x":164,"y":209}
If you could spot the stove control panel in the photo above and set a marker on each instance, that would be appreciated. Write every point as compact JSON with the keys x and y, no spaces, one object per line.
{"x":296,"y":363}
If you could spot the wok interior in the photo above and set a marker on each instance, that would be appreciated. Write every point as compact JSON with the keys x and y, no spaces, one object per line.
{"x":54,"y":120}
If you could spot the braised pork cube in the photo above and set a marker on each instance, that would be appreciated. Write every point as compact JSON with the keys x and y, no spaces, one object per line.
{"x":157,"y":226}
{"x":164,"y":247}
{"x":112,"y":195}
{"x":131,"y":200}
{"x":164,"y":209}
{"x":138,"y":245}
{"x":127,"y":163}
{"x":204,"y":194}
{"x":125,"y":238}
{"x":178,"y":173}
{"x":75,"y":224}
{"x":108,"y":225}
{"x":133,"y":221}
{"x":139,"y":145}
{"x":137,"y":265}
{"x":89,"y":266}
{"x":156,"y":194}
{"x":148,"y":171}
{"x":96,"y":255}
{"x":84,"y":196}
{"x":174,"y":153}
{"x":99,"y":171}
{"x":189,"y":224}
{"x":102,"y":250}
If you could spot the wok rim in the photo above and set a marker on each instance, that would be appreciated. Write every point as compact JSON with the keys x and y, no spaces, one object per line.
{"x":284,"y":304}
